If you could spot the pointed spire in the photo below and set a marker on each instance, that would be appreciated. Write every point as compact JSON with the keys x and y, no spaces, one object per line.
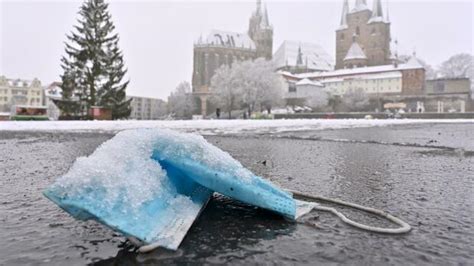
{"x":413,"y":62}
{"x":265,"y":17}
{"x":377,"y":9}
{"x":360,"y":5}
{"x":299,"y":59}
{"x":259,"y":7}
{"x":265,"y":22}
{"x":345,"y":10}
{"x":387,"y":18}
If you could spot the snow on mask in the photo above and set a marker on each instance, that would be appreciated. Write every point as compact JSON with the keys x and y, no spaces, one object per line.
{"x":152,"y":184}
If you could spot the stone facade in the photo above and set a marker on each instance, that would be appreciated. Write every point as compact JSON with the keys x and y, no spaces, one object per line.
{"x":223,"y":48}
{"x":413,"y":81}
{"x":369,"y":29}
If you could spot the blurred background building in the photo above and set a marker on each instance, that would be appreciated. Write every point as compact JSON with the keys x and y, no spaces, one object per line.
{"x":16,"y":92}
{"x":145,"y":108}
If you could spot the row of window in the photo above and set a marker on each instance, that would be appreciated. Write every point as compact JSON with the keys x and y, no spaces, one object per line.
{"x":32,"y":100}
{"x":373,"y":81}
{"x":368,"y":90}
{"x":20,"y":92}
{"x":35,"y":100}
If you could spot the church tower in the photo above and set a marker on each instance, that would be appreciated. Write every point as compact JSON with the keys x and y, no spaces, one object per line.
{"x":363,"y":32}
{"x":261,"y":32}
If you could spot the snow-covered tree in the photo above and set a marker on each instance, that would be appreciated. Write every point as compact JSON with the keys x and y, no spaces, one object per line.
{"x":225,"y":88}
{"x":93,"y":66}
{"x":267,"y":84}
{"x":356,"y":99}
{"x":181,"y":102}
{"x":248,"y":84}
{"x":318,"y":100}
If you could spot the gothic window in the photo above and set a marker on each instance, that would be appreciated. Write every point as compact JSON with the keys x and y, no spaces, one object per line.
{"x":373,"y":31}
{"x":342,"y":36}
{"x":357,"y":31}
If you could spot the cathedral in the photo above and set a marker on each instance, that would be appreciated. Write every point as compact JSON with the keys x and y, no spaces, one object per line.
{"x":224,"y":47}
{"x":363,"y":37}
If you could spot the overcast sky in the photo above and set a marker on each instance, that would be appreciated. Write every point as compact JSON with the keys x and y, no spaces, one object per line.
{"x":157,"y":36}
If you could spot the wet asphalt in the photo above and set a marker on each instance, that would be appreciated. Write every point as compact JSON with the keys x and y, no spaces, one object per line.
{"x":420,"y":173}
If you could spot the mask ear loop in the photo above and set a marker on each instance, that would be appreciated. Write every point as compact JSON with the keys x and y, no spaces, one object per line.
{"x":404,"y":227}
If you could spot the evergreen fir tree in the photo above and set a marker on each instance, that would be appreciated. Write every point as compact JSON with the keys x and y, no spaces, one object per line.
{"x":93,"y":66}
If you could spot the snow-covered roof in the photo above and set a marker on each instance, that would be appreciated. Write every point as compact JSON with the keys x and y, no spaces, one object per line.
{"x":354,"y":71}
{"x":383,"y":75}
{"x":54,"y":91}
{"x":413,"y":62}
{"x":307,"y":81}
{"x":21,"y":83}
{"x":318,"y":59}
{"x":355,"y":52}
{"x":227,"y":39}
{"x":376,"y":19}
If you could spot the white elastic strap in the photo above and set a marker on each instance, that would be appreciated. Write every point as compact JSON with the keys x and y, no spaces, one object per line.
{"x":405,"y":227}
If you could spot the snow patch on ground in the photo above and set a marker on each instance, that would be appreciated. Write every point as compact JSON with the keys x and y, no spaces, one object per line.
{"x":215,"y":127}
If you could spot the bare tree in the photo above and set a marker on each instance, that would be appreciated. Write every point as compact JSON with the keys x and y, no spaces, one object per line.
{"x":457,"y":66}
{"x":180,"y":102}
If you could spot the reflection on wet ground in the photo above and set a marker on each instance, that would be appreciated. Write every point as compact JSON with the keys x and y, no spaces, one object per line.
{"x":427,"y":181}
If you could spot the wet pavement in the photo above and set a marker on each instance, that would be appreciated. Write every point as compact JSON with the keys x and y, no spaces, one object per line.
{"x":420,"y":173}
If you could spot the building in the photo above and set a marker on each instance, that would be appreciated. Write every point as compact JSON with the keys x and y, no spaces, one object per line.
{"x":386,"y":80}
{"x":52,"y":94}
{"x":448,"y":95}
{"x":363,"y":37}
{"x":15,"y":92}
{"x":386,"y":83}
{"x":144,"y":108}
{"x":224,"y":47}
{"x":300,"y":57}
{"x":304,"y":92}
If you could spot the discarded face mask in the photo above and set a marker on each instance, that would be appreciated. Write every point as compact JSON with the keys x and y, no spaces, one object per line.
{"x":151,"y":185}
